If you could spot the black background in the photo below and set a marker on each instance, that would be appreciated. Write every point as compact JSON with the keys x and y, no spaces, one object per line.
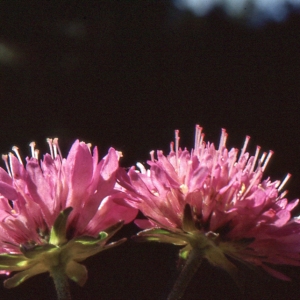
{"x":126,"y":74}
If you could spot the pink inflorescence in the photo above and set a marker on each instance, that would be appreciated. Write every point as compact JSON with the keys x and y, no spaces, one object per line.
{"x":234,"y":210}
{"x":33,"y":196}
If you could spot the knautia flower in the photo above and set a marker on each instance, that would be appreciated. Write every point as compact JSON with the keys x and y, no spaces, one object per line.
{"x":215,"y":204}
{"x":57,"y":212}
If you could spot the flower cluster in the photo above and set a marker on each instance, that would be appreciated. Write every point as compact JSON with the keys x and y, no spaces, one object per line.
{"x":57,"y":212}
{"x":216,"y":202}
{"x":213,"y":202}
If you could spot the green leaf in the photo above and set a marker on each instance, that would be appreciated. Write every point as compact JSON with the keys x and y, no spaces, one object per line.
{"x":58,"y":231}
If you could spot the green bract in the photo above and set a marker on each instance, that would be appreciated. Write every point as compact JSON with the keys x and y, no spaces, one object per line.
{"x":58,"y":253}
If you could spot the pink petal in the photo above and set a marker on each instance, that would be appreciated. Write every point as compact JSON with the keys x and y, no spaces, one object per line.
{"x":110,"y":213}
{"x":283,"y":217}
{"x":8,"y":191}
{"x":79,"y":171}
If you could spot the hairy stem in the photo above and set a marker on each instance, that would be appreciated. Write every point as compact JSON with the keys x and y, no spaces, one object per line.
{"x":188,"y":271}
{"x":61,"y":283}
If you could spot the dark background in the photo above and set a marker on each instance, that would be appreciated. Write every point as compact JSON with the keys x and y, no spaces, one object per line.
{"x":126,"y":74}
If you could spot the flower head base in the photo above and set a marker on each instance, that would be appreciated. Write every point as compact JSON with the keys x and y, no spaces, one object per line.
{"x":216,"y":202}
{"x":58,"y":212}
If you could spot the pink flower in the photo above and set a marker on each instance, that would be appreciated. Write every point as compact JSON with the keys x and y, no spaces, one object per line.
{"x":214,"y":201}
{"x":57,"y":210}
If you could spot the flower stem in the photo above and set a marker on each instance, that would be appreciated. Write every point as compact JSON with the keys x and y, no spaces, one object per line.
{"x":188,"y":271}
{"x":61,"y":283}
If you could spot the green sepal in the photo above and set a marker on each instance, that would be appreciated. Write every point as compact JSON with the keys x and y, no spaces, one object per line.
{"x":37,"y":250}
{"x":184,"y":252}
{"x":188,"y":224}
{"x":58,"y":253}
{"x":20,"y":277}
{"x":58,"y":231}
{"x":110,"y":231}
{"x":82,"y":247}
{"x":159,"y":238}
{"x":77,"y":272}
{"x":13,"y":262}
{"x":162,"y":236}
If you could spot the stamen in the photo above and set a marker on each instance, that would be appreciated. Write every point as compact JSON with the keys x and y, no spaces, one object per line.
{"x":5,"y":159}
{"x":172,"y":147}
{"x":255,"y":158}
{"x":56,"y":148}
{"x":197,"y":139}
{"x":36,"y":153}
{"x":267,"y":159}
{"x":225,"y":139}
{"x":15,"y":149}
{"x":287,"y":177}
{"x":233,"y":161}
{"x":49,"y":141}
{"x":10,"y":163}
{"x":258,"y":173}
{"x":247,"y":139}
{"x":141,"y":167}
{"x":222,"y":139}
{"x":177,"y":138}
{"x":201,"y":145}
{"x":262,"y":158}
{"x":32,"y":145}
{"x":283,"y":194}
{"x":152,"y":155}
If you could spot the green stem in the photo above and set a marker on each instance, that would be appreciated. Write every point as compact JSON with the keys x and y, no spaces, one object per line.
{"x":61,"y":283}
{"x":188,"y":271}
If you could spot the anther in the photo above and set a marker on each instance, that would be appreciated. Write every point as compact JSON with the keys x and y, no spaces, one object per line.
{"x":89,"y":146}
{"x":16,"y":150}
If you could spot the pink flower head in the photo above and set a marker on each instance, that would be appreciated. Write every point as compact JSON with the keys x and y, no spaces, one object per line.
{"x":58,"y":209}
{"x":217,"y":202}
